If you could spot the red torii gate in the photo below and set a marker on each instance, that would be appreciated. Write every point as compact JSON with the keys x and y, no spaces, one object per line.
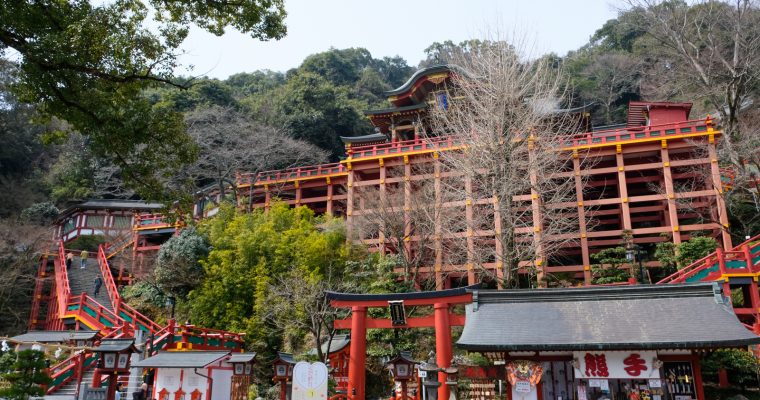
{"x":442,"y":320}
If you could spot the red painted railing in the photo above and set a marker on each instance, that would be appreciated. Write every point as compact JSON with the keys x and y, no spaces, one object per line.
{"x":606,"y":137}
{"x":616,"y":136}
{"x":391,"y":148}
{"x":741,"y":252}
{"x":63,"y":291}
{"x":206,"y":333}
{"x":290,"y":174}
{"x":153,"y":221}
{"x":108,"y":282}
{"x":119,"y":308}
{"x":99,"y":315}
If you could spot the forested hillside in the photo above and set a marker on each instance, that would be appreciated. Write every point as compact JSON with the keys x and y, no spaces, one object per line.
{"x":197,"y":132}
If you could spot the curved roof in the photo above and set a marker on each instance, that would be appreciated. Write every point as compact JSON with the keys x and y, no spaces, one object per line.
{"x":371,"y":138}
{"x":416,"y":76}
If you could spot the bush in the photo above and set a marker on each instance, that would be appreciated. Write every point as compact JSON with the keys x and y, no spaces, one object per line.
{"x":741,"y":366}
{"x":608,"y":267}
{"x":40,"y":213}
{"x":28,"y":376}
{"x":694,"y":249}
{"x":178,"y":270}
{"x":86,"y":242}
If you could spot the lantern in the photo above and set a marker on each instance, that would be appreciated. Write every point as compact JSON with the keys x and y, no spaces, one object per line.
{"x":242,"y":363}
{"x":113,"y":358}
{"x":283,"y":372}
{"x":402,"y":369}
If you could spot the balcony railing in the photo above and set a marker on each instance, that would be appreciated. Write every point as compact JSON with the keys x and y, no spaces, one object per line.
{"x":442,"y":143}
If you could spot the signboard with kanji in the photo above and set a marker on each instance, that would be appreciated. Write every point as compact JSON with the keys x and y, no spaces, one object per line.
{"x":616,"y":365}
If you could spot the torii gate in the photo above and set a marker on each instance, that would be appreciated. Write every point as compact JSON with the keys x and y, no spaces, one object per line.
{"x":442,"y":320}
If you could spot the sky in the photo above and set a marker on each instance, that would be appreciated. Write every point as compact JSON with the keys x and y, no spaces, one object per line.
{"x":394,"y":27}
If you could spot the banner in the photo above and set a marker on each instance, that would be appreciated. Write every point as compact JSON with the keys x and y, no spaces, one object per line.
{"x":616,"y":365}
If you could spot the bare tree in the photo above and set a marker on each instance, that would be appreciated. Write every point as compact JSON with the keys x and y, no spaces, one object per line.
{"x":20,"y":248}
{"x":396,"y":217}
{"x":514,"y":181}
{"x":614,"y":75}
{"x":230,"y":142}
{"x":710,"y":51}
{"x":297,"y":304}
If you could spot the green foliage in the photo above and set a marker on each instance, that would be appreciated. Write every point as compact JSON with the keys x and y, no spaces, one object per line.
{"x":177,"y":269}
{"x":609,"y":266}
{"x":260,"y":19}
{"x":87,"y":242}
{"x":312,"y":108}
{"x":27,"y":376}
{"x":91,"y":63}
{"x":741,"y":365}
{"x":40,"y":213}
{"x":146,"y":298}
{"x":250,"y":252}
{"x":665,"y":253}
{"x":694,"y":249}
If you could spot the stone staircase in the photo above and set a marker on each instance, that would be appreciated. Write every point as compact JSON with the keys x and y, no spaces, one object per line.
{"x":69,"y":390}
{"x":83,"y":281}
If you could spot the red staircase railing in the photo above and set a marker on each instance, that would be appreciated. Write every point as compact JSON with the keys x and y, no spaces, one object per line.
{"x":63,"y":291}
{"x":741,"y":252}
{"x":122,"y":310}
{"x":39,"y":283}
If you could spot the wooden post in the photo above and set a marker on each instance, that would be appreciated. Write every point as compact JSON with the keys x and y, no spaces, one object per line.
{"x":582,"y":219}
{"x":625,"y":209}
{"x":407,"y":208}
{"x":469,"y":217}
{"x":670,"y":195}
{"x":438,"y":244}
{"x":720,"y":203}
{"x":383,"y":203}
{"x":538,"y":226}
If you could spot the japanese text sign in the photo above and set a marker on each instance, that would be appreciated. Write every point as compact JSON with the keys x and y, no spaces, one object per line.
{"x":616,"y":364}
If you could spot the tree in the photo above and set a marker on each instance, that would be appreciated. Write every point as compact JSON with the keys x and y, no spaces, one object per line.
{"x":665,"y":253}
{"x":313,"y":109}
{"x":741,"y":365}
{"x":695,"y":248}
{"x":505,"y":114}
{"x":251,"y":253}
{"x":609,"y":266}
{"x":177,"y":270}
{"x":297,"y":302}
{"x":20,"y":248}
{"x":28,"y":376}
{"x":90,"y":65}
{"x":230,"y":142}
{"x":709,"y":50}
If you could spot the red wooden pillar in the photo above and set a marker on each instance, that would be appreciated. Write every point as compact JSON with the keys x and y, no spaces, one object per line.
{"x":442,"y":345}
{"x":357,"y":353}
{"x":284,"y":389}
{"x":698,"y":385}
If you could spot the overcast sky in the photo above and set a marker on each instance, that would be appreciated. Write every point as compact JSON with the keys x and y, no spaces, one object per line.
{"x":395,"y":27}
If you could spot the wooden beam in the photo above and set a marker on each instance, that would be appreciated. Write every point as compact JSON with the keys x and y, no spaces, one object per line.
{"x":416,"y":322}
